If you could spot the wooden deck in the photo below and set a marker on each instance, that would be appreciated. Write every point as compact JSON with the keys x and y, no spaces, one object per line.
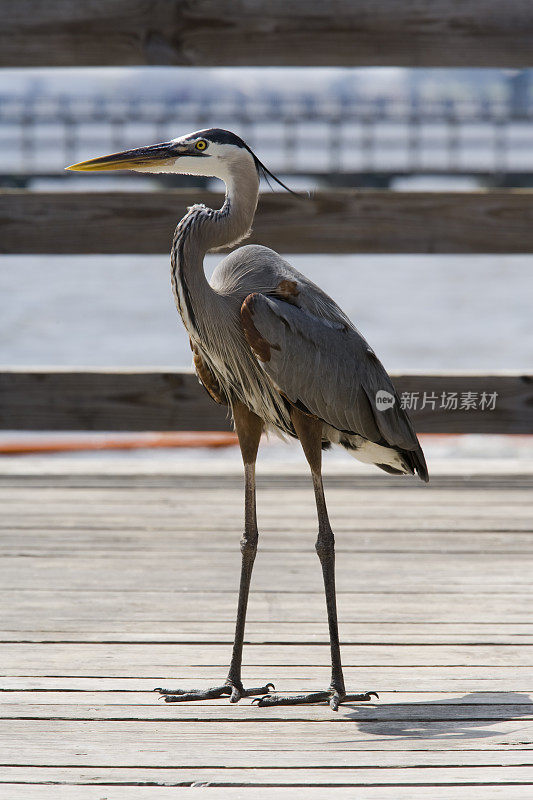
{"x":114,"y":585}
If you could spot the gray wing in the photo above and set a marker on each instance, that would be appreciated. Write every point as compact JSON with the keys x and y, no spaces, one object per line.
{"x":327,"y":368}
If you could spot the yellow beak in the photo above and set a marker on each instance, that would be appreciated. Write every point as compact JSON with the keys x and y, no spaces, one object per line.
{"x":140,"y":157}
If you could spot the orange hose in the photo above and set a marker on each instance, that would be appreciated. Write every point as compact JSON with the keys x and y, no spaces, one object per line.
{"x":128,"y":442}
{"x":170,"y":439}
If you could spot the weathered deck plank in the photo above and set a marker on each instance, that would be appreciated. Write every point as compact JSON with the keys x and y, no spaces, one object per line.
{"x":326,"y":776}
{"x":282,"y":632}
{"x":161,"y":608}
{"x":245,"y":33}
{"x":466,"y":678}
{"x":484,"y":792}
{"x":133,"y":742}
{"x":109,"y":592}
{"x":386,"y":712}
{"x":448,"y":573}
{"x":145,"y":660}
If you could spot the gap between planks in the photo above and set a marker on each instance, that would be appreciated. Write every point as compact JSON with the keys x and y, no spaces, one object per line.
{"x":273,"y":776}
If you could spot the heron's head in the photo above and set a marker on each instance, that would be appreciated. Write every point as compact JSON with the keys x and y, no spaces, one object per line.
{"x":212,"y":152}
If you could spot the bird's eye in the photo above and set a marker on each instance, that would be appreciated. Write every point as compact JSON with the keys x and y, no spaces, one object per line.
{"x":201,"y":144}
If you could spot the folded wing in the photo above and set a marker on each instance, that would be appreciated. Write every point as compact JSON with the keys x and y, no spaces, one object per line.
{"x":326,"y":368}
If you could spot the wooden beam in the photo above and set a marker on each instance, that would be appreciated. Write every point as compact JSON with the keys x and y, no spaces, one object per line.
{"x":345,"y":221}
{"x":122,"y":400}
{"x":107,"y":400}
{"x":440,"y":33}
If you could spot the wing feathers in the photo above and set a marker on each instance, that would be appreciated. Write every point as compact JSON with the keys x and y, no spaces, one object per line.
{"x":328,"y":367}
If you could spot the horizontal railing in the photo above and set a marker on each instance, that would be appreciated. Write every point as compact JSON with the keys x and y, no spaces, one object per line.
{"x":338,"y":137}
{"x":347,"y":221}
{"x":440,"y":33}
{"x":173,"y":400}
{"x":478,"y":105}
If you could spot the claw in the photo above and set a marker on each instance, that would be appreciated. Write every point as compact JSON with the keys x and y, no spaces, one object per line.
{"x":259,"y":700}
{"x":369,"y":695}
{"x":360,"y":698}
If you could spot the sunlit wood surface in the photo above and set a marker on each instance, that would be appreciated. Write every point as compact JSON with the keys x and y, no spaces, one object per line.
{"x":114,"y":585}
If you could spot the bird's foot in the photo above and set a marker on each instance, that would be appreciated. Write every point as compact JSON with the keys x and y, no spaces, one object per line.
{"x":333,"y":697}
{"x":235,"y":691}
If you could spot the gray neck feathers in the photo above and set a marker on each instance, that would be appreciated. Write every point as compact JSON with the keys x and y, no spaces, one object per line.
{"x":203,"y":229}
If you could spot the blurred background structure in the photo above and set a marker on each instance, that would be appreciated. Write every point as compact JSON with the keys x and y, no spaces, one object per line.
{"x":321,"y":129}
{"x":328,"y":127}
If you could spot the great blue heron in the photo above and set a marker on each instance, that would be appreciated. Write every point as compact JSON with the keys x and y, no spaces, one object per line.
{"x":280,"y":352}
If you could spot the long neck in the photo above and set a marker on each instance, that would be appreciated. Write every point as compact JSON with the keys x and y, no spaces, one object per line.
{"x":203,"y":229}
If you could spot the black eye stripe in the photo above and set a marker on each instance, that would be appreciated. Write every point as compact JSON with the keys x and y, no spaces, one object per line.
{"x":219,"y":136}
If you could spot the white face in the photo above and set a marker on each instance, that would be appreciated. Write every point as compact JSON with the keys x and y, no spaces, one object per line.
{"x":192,"y":154}
{"x":201,"y":156}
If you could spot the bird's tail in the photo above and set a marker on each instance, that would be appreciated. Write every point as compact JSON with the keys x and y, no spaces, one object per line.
{"x":417,"y":463}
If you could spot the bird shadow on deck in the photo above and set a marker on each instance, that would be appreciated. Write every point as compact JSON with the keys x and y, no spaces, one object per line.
{"x":464,"y":718}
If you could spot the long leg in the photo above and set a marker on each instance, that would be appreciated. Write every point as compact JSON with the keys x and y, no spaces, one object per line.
{"x":309,"y":430}
{"x":248,"y":426}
